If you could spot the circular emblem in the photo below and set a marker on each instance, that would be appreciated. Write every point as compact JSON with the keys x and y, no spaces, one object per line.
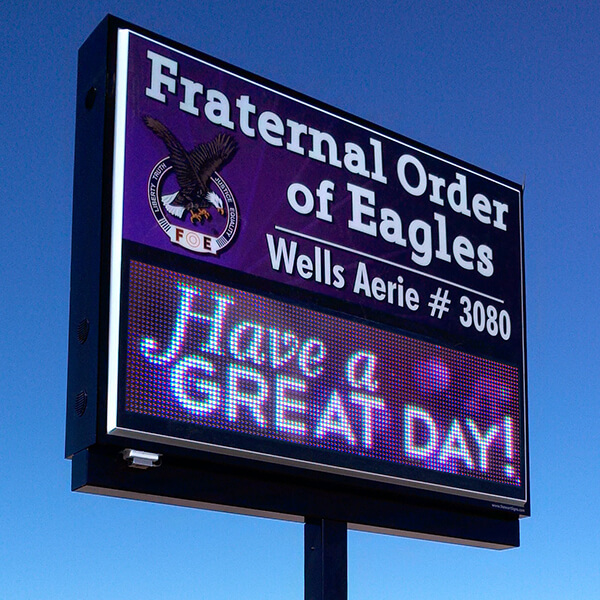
{"x":213,"y":226}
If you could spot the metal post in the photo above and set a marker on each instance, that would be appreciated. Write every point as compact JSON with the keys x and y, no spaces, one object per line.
{"x":325,"y":560}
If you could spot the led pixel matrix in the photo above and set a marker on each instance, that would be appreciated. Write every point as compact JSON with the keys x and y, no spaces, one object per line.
{"x":208,"y":355}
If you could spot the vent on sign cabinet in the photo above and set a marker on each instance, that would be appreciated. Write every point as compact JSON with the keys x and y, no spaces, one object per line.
{"x":83,"y":330}
{"x":81,"y":403}
{"x":90,"y":98}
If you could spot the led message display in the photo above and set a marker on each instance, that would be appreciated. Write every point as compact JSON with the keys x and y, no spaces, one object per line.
{"x":215,"y":357}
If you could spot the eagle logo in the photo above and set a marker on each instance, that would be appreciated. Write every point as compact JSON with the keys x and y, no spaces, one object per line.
{"x":195,"y":170}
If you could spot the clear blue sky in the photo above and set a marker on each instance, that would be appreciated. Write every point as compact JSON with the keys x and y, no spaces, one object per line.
{"x":510,"y":86}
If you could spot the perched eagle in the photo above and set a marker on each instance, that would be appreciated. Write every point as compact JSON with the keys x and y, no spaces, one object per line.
{"x":193,"y":171}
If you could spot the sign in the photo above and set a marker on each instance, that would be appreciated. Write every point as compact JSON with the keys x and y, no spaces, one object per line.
{"x":292,"y":285}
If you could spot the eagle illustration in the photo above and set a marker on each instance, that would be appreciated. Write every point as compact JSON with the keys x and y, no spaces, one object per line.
{"x":193,"y":171}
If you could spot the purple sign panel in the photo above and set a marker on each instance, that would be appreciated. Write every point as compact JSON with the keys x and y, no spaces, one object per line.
{"x":229,"y":171}
{"x":209,"y":355}
{"x":216,"y":168}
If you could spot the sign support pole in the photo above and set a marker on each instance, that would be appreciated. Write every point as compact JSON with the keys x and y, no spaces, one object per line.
{"x":325,"y":559}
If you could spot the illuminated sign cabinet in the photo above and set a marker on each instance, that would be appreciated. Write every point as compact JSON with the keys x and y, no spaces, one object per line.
{"x":295,"y":312}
